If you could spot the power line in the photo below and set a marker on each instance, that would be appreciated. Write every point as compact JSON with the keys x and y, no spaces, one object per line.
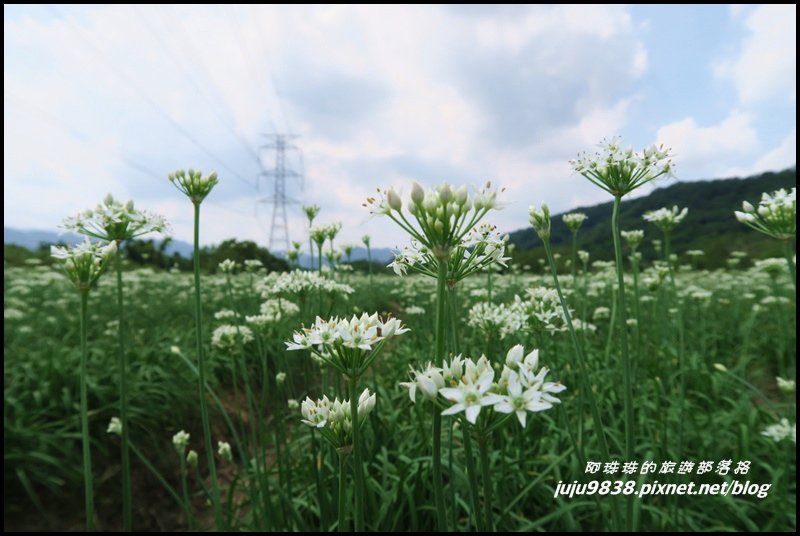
{"x":130,"y":81}
{"x":224,"y":118}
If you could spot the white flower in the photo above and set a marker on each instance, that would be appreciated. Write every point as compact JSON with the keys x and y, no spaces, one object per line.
{"x":620,"y":171}
{"x":280,"y":378}
{"x":85,"y":262}
{"x":227,"y":266}
{"x":427,"y":381}
{"x":113,"y":220}
{"x":666,"y":219}
{"x":115,"y":426}
{"x":540,"y":221}
{"x":224,"y":450}
{"x":574,"y":220}
{"x":292,"y":404}
{"x":469,"y":397}
{"x":519,"y":401}
{"x":226,"y":336}
{"x":787,"y":386}
{"x":180,"y":441}
{"x":780,"y":431}
{"x":193,"y":184}
{"x":775,"y":216}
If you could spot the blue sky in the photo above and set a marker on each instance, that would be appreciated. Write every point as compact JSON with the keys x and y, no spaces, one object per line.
{"x":111,"y":98}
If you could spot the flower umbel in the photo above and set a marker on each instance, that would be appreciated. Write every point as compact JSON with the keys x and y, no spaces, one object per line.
{"x":620,"y":171}
{"x":666,"y":218}
{"x":85,"y":262}
{"x":193,"y":184}
{"x":775,"y":216}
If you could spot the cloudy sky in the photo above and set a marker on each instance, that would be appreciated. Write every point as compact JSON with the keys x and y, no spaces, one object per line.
{"x":111,"y":98}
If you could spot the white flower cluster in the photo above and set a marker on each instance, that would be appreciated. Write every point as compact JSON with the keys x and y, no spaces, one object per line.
{"x":349,"y":346}
{"x":574,"y":220}
{"x":498,"y":319}
{"x":481,"y":248}
{"x":469,"y":385}
{"x":444,"y":215}
{"x":113,"y":220}
{"x":666,"y":218}
{"x":271,"y":312}
{"x":193,"y":184}
{"x":780,"y":431}
{"x":633,"y":238}
{"x":84,"y":262}
{"x":771,"y":266}
{"x":334,"y":419}
{"x":299,"y":283}
{"x":226,"y":336}
{"x":620,"y":171}
{"x":775,"y":216}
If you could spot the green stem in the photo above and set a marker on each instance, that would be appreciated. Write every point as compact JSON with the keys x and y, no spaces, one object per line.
{"x":187,"y":504}
{"x":486,"y":476}
{"x":583,"y":373}
{"x":87,"y":453}
{"x":441,"y":281}
{"x":127,"y":501}
{"x":369,"y":265}
{"x":342,"y":527}
{"x":472,"y":475}
{"x":201,"y":374}
{"x":788,"y":252}
{"x":574,"y":264}
{"x":358,"y":469}
{"x":626,"y":359}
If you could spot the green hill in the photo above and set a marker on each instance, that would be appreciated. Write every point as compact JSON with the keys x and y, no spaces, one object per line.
{"x":709,"y":226}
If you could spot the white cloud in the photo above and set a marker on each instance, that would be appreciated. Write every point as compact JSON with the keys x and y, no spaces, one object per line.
{"x":708,"y":149}
{"x":380,"y":95}
{"x":766,"y":67}
{"x":780,"y":157}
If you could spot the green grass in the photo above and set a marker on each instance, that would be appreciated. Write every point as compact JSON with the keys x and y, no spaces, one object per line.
{"x":741,"y":326}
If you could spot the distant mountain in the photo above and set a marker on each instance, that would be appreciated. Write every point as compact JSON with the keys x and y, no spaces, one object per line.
{"x":709,"y":226}
{"x":379,"y":255}
{"x":32,"y":240}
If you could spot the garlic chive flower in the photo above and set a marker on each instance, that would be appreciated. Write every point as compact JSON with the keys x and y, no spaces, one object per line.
{"x":619,"y":171}
{"x":574,"y":220}
{"x":540,"y":221}
{"x":481,"y":248}
{"x":311,"y":212}
{"x":333,"y":419}
{"x":191,"y":459}
{"x":444,"y":215}
{"x":427,"y":382}
{"x":113,"y":220}
{"x":180,"y":441}
{"x":666,"y":218}
{"x":349,"y":346}
{"x":224,"y":451}
{"x":633,"y":238}
{"x":115,"y":426}
{"x":775,"y":216}
{"x":521,"y":387}
{"x":85,"y":262}
{"x":193,"y":184}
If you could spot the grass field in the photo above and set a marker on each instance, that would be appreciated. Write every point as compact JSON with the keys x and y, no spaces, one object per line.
{"x":704,"y":359}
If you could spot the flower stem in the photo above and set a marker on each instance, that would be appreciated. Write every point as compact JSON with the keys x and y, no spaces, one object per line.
{"x":583,"y":372}
{"x":473,"y":477}
{"x":187,"y":504}
{"x":438,"y":493}
{"x":358,"y":469}
{"x":574,"y":264}
{"x":626,"y":359}
{"x":486,"y":476}
{"x":369,"y":265}
{"x":342,"y":527}
{"x":201,"y":374}
{"x":127,"y":501}
{"x":87,"y":453}
{"x":788,"y":252}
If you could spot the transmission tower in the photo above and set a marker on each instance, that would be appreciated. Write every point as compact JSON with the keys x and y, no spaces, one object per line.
{"x":279,"y":230}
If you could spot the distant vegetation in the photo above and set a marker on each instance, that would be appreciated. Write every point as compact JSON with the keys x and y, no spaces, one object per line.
{"x":710,"y":225}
